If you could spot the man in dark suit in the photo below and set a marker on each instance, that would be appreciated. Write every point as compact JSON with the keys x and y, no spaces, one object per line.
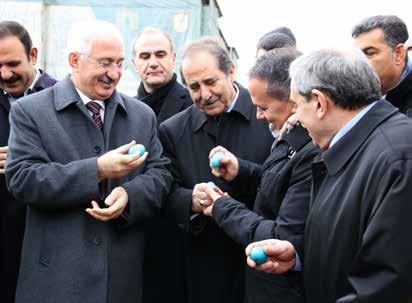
{"x":154,"y":59}
{"x":222,"y":114}
{"x":382,"y":39}
{"x":18,"y":77}
{"x":87,"y":197}
{"x":357,"y":237}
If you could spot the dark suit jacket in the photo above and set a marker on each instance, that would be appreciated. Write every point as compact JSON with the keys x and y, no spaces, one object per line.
{"x":401,"y":96}
{"x":68,"y":256}
{"x":211,"y":256}
{"x":357,"y":237}
{"x":162,"y":279}
{"x":13,"y":213}
{"x":280,"y":212}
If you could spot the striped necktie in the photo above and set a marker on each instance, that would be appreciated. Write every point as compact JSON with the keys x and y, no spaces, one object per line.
{"x":94,"y":107}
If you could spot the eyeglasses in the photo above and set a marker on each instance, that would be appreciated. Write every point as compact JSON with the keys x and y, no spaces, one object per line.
{"x":108,"y":64}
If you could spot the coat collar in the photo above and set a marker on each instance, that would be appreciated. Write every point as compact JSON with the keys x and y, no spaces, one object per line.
{"x":66,"y":95}
{"x":296,"y":138}
{"x":340,"y":153}
{"x":243,"y":106}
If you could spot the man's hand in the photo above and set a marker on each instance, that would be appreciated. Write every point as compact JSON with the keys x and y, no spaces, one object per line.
{"x":213,"y":193}
{"x":3,"y":157}
{"x":200,"y":199}
{"x":281,"y":256}
{"x":230,"y":166}
{"x":117,"y":163}
{"x":116,"y":202}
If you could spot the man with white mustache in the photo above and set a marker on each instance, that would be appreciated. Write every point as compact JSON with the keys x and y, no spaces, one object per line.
{"x":222,"y":114}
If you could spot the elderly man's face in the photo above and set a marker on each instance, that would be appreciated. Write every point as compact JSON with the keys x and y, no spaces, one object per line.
{"x":154,"y":60}
{"x":386,"y":61}
{"x":17,"y":72}
{"x":98,"y":73}
{"x":210,"y":88}
{"x":275,"y":111}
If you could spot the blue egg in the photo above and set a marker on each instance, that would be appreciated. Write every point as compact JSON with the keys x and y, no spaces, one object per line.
{"x":215,"y":160}
{"x":137,"y":149}
{"x":258,"y":255}
{"x":211,"y":184}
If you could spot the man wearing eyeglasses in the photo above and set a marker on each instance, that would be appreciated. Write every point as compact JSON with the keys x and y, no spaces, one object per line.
{"x":18,"y":77}
{"x":87,"y":197}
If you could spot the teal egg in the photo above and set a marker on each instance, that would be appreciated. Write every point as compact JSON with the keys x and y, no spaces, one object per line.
{"x":258,"y":255}
{"x":215,"y":160}
{"x":137,"y":149}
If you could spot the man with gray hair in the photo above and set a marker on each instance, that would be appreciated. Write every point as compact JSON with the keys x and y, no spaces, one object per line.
{"x":357,"y":242}
{"x":87,"y":197}
{"x":382,"y":39}
{"x":223,"y":114}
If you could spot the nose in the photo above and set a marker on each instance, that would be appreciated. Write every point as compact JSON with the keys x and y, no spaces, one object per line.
{"x":205,"y":93}
{"x":114,"y":73}
{"x":153,"y":61}
{"x":5,"y":73}
{"x":259,"y":114}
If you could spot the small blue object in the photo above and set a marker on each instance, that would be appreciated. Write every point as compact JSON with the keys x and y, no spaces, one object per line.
{"x":137,"y":149}
{"x":211,"y":184}
{"x":258,"y":255}
{"x":215,"y":160}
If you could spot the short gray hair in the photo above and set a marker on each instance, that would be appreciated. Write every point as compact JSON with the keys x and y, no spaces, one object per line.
{"x":151,"y":30}
{"x":214,"y":48}
{"x":345,"y":76}
{"x":82,"y":35}
{"x":273,"y":67}
{"x":394,"y":29}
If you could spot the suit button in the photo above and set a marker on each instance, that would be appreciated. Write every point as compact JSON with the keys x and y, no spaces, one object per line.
{"x":97,"y":241}
{"x":97,"y":149}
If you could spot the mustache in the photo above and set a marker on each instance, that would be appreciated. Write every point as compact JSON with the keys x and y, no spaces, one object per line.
{"x":11,"y":80}
{"x":106,"y":79}
{"x":209,"y":101}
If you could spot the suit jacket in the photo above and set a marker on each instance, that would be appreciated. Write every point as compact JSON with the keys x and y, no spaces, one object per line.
{"x":13,"y":213}
{"x":210,"y":255}
{"x":357,"y":237}
{"x":163,"y":279}
{"x":401,"y":96}
{"x":68,"y":256}
{"x":280,"y":212}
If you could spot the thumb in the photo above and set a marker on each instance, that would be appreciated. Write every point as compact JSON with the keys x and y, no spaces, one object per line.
{"x":125,"y":148}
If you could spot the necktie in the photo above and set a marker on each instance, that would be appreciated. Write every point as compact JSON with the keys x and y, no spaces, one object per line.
{"x":94,"y":107}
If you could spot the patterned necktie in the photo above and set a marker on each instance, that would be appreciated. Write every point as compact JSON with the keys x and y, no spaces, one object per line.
{"x":94,"y":107}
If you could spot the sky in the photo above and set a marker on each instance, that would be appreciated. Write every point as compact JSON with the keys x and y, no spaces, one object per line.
{"x":315,"y":23}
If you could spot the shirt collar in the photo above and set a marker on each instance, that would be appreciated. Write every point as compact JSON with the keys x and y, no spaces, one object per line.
{"x":349,"y":125}
{"x":86,"y":99}
{"x":232,"y":105}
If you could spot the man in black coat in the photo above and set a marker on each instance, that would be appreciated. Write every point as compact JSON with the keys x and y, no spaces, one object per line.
{"x":154,"y":59}
{"x":382,"y":39}
{"x":282,"y":202}
{"x":223,"y":114}
{"x":357,"y":237}
{"x":18,"y":77}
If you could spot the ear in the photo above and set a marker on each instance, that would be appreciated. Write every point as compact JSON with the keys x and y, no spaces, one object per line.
{"x":232,"y":72}
{"x":33,"y":55}
{"x":74,"y":61}
{"x":321,"y":102}
{"x":400,"y":53}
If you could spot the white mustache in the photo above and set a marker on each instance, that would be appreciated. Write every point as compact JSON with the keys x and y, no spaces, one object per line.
{"x":106,"y":79}
{"x":208,"y":102}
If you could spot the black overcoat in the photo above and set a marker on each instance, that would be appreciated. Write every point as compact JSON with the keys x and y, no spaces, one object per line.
{"x":357,"y":237}
{"x":280,"y":212}
{"x":13,"y":214}
{"x":214,"y":262}
{"x":401,"y":96}
{"x":68,"y":256}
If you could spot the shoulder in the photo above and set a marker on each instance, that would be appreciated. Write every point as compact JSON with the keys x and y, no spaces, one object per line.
{"x":136,"y":106}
